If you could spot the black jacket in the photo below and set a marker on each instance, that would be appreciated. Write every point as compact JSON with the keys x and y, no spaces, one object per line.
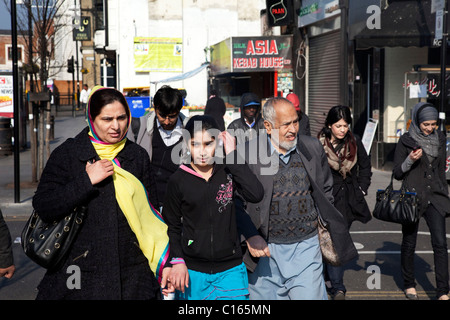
{"x":201,"y":215}
{"x":304,"y":127}
{"x":425,"y":178}
{"x":6,"y":254}
{"x":112,"y":265}
{"x":348,"y":194}
{"x":240,"y":127}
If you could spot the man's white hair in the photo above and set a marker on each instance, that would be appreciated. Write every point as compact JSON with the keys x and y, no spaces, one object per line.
{"x":268,"y":111}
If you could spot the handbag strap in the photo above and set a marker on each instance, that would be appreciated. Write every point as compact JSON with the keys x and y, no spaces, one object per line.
{"x":390,"y":187}
{"x":403,"y":186}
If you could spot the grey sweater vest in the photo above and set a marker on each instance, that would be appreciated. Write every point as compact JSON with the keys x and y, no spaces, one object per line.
{"x":293,"y":216}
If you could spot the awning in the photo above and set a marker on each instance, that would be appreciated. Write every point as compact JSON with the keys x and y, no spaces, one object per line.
{"x":183,"y":75}
{"x":404,"y":23}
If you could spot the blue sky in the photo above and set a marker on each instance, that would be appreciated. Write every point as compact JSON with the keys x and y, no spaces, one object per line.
{"x":5,"y":16}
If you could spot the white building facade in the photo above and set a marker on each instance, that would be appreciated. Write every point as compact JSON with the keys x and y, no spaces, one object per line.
{"x":199,"y":23}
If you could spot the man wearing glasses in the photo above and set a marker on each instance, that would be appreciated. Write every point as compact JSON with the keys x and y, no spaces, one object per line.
{"x":159,"y":132}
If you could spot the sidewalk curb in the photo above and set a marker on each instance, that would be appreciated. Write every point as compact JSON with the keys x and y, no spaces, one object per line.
{"x":66,"y":126}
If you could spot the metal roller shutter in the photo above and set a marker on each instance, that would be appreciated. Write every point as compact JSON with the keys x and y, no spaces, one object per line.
{"x":324,"y":68}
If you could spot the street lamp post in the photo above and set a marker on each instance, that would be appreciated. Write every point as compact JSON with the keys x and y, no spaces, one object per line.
{"x":76,"y":62}
{"x":443,"y":69}
{"x":16,"y":102}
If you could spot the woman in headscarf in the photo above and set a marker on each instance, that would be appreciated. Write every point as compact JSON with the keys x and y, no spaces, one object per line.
{"x":420,"y":161}
{"x":121,"y":249}
{"x":352,"y":172}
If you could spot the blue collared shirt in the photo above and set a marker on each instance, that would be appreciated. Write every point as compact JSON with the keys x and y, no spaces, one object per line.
{"x":284,"y":157}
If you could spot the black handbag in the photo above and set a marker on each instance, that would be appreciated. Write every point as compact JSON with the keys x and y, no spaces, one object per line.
{"x":48,"y":244}
{"x":398,"y":206}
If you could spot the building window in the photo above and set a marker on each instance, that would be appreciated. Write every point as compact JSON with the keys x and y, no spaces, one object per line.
{"x":99,"y":14}
{"x":10,"y":53}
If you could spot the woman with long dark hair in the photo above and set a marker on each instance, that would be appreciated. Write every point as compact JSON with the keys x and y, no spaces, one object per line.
{"x":351,"y":169}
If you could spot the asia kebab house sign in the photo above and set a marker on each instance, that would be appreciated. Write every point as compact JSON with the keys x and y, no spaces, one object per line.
{"x":261,"y":53}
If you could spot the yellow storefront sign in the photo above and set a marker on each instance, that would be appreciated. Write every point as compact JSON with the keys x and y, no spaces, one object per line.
{"x":158,"y":54}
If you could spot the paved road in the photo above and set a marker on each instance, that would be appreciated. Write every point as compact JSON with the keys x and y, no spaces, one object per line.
{"x":378,"y":242}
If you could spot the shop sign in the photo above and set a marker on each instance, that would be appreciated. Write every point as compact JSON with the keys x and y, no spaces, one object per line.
{"x":221,"y":57}
{"x":261,"y":53}
{"x":6,"y":96}
{"x":82,"y":29}
{"x":279,"y":12}
{"x":429,"y":85}
{"x":158,"y":54}
{"x":313,"y":11}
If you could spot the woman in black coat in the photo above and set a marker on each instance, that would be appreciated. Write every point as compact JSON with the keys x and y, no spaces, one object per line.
{"x":107,"y":251}
{"x":7,"y":267}
{"x":352,"y":172}
{"x":420,"y":161}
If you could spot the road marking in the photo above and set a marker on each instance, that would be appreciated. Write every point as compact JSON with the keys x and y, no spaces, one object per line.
{"x":359,"y":245}
{"x":386,"y":292}
{"x":393,"y":231}
{"x":379,"y":294}
{"x":395,"y":252}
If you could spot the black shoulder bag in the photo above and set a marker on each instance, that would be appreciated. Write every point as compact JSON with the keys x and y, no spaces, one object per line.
{"x":398,"y":206}
{"x":48,"y":244}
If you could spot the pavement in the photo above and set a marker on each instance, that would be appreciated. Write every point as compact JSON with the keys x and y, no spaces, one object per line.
{"x":66,"y":126}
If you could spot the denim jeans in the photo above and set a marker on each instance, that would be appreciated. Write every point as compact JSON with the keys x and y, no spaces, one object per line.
{"x":436,"y":224}
{"x":335,"y":274}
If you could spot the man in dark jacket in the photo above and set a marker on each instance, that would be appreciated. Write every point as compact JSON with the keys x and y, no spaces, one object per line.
{"x":160,"y":131}
{"x":282,"y":233}
{"x":6,"y":256}
{"x":250,"y":123}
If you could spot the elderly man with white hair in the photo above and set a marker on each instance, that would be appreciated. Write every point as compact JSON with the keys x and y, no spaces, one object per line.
{"x":284,"y":258}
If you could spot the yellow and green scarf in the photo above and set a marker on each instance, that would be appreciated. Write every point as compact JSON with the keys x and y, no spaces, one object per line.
{"x":145,"y":221}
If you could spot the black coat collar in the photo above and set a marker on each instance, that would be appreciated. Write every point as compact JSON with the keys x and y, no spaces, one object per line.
{"x":301,"y":148}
